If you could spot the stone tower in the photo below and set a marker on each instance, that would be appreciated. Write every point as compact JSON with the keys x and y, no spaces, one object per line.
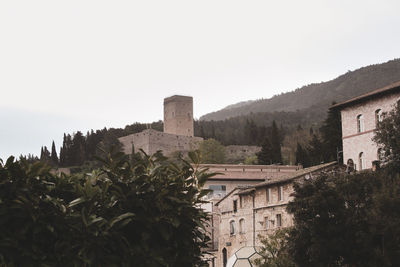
{"x":178,"y":115}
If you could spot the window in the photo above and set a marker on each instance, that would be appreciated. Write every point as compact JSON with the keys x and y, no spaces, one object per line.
{"x":266,"y":223}
{"x":378,"y":116}
{"x":240,"y":201}
{"x":235,"y":206}
{"x":278,"y":220}
{"x":268,"y":195}
{"x":361,"y":161}
{"x":242,"y":227}
{"x":232,"y":227}
{"x":280,"y":193}
{"x":224,"y":257}
{"x":360,"y":123}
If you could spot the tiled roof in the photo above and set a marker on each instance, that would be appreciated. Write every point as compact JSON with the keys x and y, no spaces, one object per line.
{"x":290,"y":177}
{"x":394,"y":87}
{"x":248,"y":189}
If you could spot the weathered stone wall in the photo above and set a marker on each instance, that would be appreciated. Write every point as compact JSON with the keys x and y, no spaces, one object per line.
{"x":151,"y":141}
{"x":262,"y":210}
{"x":232,"y":176}
{"x":353,"y":142}
{"x":139,"y":140}
{"x":178,"y":115}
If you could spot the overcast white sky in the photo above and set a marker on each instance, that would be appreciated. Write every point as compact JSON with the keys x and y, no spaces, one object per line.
{"x":76,"y":65}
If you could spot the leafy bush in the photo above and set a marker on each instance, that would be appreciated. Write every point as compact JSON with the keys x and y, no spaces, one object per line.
{"x":138,"y":211}
{"x":347,"y":220}
{"x":275,"y":251}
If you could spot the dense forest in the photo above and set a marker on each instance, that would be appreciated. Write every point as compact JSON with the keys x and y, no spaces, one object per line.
{"x":78,"y":148}
{"x":296,"y":141}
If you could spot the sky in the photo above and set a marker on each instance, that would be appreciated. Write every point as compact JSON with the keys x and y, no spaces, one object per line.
{"x":79,"y":65}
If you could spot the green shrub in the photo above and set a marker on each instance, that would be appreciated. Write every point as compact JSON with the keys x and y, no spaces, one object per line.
{"x":138,"y":211}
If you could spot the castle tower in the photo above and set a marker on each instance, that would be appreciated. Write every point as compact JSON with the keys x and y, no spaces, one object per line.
{"x":178,"y":115}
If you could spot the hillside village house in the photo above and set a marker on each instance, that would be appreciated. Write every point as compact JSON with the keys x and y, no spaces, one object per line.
{"x":229,"y":177}
{"x":249,"y":211}
{"x":360,"y":115}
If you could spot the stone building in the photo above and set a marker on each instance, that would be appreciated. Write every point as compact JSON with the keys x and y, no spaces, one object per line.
{"x":229,"y":177}
{"x":360,"y":116}
{"x":246,"y":212}
{"x":178,"y":130}
{"x":178,"y":115}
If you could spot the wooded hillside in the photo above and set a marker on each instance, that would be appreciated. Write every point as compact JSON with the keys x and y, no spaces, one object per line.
{"x":316,"y":98}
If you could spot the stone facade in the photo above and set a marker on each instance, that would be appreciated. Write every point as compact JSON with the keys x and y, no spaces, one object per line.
{"x":230,"y":177}
{"x":359,"y":119}
{"x":151,"y":141}
{"x":178,"y":115}
{"x":246,"y":213}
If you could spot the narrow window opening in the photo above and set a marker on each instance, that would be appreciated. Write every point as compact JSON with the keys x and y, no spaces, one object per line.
{"x":361,"y":161}
{"x":360,"y":123}
{"x":232,"y":227}
{"x":278,"y":220}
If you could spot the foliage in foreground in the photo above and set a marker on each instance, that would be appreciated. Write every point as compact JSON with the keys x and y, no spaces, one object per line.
{"x":387,"y":135}
{"x":348,"y":220}
{"x":275,"y":250}
{"x":139,"y":211}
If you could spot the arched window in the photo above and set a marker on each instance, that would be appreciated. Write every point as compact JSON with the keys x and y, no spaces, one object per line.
{"x":381,"y":154}
{"x":360,"y":123}
{"x":378,"y":116}
{"x":361,"y":161}
{"x":242,"y":227}
{"x":232,"y":227}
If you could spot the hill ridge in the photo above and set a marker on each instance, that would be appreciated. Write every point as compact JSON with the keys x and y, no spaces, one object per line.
{"x":317,"y":96}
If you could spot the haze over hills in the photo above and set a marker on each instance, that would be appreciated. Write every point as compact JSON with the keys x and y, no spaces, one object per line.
{"x":317,"y":97}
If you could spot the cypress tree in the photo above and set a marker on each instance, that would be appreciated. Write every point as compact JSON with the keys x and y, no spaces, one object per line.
{"x":265,"y":156}
{"x":331,"y":133}
{"x":45,"y":154}
{"x":302,"y":156}
{"x":54,"y":157}
{"x":316,"y":151}
{"x":276,"y":144}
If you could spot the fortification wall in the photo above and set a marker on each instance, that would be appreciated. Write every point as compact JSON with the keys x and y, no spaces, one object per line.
{"x":170,"y":143}
{"x":151,"y":141}
{"x":139,"y":140}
